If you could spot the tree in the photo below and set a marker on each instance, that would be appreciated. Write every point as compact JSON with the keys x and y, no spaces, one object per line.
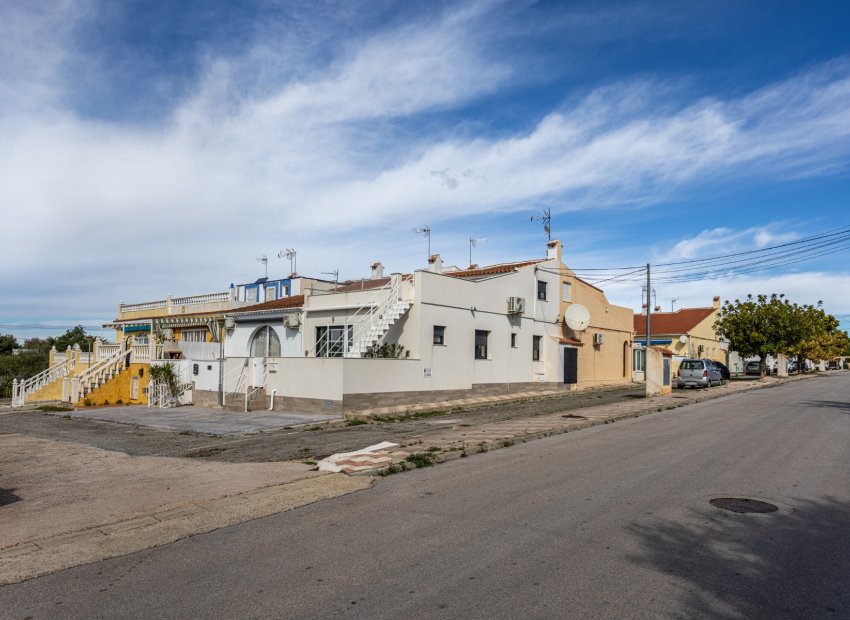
{"x":76,"y":335}
{"x":760,"y":326}
{"x":7,"y":344}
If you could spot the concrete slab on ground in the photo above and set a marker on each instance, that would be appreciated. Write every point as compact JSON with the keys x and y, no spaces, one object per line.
{"x":206,"y":420}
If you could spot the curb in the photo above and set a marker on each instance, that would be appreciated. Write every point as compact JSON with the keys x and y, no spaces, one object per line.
{"x":487,"y":445}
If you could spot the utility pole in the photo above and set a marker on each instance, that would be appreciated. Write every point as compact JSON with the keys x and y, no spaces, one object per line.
{"x":648,"y":312}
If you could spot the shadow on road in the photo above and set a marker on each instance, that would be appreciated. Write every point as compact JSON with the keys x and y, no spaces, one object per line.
{"x":7,"y":496}
{"x":787,"y":564}
{"x":842,"y":406}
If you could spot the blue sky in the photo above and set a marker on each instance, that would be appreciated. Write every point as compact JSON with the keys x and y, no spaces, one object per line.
{"x":157,"y":147}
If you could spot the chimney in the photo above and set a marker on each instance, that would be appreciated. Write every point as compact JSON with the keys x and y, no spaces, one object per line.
{"x":435,"y":264}
{"x":716,"y":302}
{"x":553,"y":250}
{"x":377,"y":270}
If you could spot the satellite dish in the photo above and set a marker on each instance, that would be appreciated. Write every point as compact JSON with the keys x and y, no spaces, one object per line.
{"x":683,"y":339}
{"x":577,"y":317}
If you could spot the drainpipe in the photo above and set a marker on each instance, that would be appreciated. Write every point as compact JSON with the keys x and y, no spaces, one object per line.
{"x":271,"y":399}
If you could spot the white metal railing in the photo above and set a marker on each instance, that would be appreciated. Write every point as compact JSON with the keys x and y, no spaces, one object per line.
{"x":262,"y":386}
{"x":370,"y":322}
{"x":21,"y":391}
{"x":160,"y":397}
{"x":241,"y":386}
{"x":374,"y":321}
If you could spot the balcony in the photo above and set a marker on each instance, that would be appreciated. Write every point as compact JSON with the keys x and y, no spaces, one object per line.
{"x":191,"y":304}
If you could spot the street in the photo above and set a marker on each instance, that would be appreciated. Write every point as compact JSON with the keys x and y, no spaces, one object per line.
{"x":612,"y":521}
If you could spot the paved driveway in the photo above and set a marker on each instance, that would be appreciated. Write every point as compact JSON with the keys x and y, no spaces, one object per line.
{"x":201,"y":419}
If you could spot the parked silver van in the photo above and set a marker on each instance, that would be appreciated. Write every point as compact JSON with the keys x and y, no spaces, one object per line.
{"x":698,"y":373}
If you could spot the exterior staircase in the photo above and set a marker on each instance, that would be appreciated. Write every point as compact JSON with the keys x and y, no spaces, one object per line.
{"x":372,"y":325}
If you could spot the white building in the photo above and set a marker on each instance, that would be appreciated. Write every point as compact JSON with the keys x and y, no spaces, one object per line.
{"x":491,"y":330}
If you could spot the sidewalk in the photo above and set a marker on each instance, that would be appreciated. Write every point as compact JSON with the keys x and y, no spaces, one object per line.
{"x":63,"y":504}
{"x":463,"y":440}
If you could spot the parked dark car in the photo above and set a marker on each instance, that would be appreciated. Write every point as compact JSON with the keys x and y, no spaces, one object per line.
{"x":724,"y":372}
{"x":752,"y":369}
{"x":698,"y":373}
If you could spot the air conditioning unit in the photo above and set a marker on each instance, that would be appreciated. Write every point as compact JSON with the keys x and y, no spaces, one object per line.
{"x":229,"y":322}
{"x":516,"y":305}
{"x":598,"y":338}
{"x":292,"y":321}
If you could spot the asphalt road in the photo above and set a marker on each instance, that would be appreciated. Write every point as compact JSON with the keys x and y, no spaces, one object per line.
{"x":609,"y":522}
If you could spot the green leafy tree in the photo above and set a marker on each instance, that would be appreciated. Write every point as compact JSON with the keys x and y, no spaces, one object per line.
{"x":759,"y":326}
{"x":76,"y":335}
{"x":8,"y":343}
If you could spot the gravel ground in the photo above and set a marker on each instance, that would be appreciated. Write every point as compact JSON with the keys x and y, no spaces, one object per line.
{"x":312,"y":442}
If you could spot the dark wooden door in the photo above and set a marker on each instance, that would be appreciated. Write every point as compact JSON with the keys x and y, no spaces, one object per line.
{"x":570,"y":366}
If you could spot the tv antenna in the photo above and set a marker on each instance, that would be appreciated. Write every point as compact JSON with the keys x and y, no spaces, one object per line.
{"x":335,"y":274}
{"x":290,"y":254}
{"x":546,"y":218}
{"x":424,"y":230}
{"x":673,"y":301}
{"x":473,"y":243}
{"x":265,"y":260}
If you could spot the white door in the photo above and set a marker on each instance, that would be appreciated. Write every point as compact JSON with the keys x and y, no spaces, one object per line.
{"x":259,"y":373}
{"x":134,"y":388}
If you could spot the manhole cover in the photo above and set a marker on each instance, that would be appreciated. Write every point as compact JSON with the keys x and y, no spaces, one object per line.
{"x":742,"y":504}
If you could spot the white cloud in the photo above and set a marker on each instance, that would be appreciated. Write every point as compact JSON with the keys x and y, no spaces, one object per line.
{"x":329,"y":155}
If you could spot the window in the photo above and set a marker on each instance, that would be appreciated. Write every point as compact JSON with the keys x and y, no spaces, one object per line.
{"x":513,"y":341}
{"x":481,"y":338}
{"x":535,"y":348}
{"x":251,"y":294}
{"x":271,"y":293}
{"x":265,"y":343}
{"x":193,"y":335}
{"x":567,"y":291}
{"x":639,"y":360}
{"x":439,"y":334}
{"x":333,"y":340}
{"x":541,"y":290}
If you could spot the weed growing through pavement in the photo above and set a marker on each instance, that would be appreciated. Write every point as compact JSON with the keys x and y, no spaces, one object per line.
{"x":482,"y":447}
{"x":433,"y":449}
{"x":507,"y":443}
{"x":314,"y":428}
{"x":420,"y":459}
{"x":389,"y":471}
{"x":356,"y":422}
{"x":309,"y":462}
{"x":54,"y":408}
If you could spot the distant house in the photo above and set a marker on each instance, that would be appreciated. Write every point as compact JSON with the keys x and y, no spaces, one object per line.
{"x":687,"y":332}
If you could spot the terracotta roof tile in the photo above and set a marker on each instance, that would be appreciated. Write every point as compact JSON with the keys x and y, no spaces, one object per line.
{"x":296,"y":301}
{"x":570,"y":341}
{"x":493,"y":269}
{"x":669,"y":323}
